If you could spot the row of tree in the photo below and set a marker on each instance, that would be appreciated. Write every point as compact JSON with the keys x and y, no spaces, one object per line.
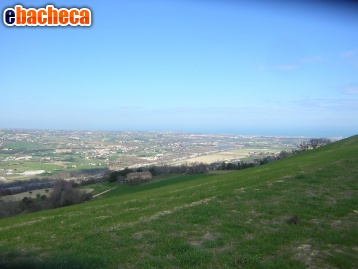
{"x":236,"y":166}
{"x":314,"y":143}
{"x":304,"y":146}
{"x":197,"y":168}
{"x":192,"y":168}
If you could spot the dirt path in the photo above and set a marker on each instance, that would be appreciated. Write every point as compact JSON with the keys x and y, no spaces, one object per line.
{"x":94,"y":196}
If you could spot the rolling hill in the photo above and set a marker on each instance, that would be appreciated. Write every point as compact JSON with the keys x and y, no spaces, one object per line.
{"x":299,"y":212}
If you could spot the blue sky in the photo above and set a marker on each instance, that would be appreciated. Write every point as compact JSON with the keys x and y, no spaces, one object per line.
{"x":263,"y":68}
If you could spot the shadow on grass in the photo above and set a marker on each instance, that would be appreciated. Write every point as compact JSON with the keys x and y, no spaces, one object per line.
{"x":28,"y":260}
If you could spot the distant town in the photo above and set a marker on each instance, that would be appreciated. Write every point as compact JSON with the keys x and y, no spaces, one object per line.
{"x":28,"y":153}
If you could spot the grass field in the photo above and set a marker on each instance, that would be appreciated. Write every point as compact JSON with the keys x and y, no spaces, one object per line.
{"x":35,"y":166}
{"x":300,"y":212}
{"x":23,"y":145}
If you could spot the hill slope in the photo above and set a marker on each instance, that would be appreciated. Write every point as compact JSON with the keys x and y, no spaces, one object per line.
{"x":295,"y":213}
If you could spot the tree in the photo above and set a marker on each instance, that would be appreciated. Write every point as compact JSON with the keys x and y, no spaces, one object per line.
{"x":324,"y":141}
{"x":231,"y":166}
{"x":314,"y":143}
{"x":283,"y":154}
{"x":113,"y":177}
{"x":64,"y":194}
{"x":223,"y":166}
{"x":263,"y":161}
{"x":125,"y":172}
{"x":26,"y":202}
{"x":239,"y":166}
{"x":303,"y":146}
{"x":153,"y":171}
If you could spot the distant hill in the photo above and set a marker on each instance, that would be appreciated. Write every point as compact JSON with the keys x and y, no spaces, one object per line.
{"x":299,"y":212}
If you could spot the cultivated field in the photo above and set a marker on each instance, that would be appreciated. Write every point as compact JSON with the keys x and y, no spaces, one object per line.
{"x":300,"y":212}
{"x":20,"y":196}
{"x":230,"y":155}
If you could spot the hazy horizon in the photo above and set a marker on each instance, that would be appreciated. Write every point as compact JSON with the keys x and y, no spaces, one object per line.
{"x":193,"y":131}
{"x":257,"y":68}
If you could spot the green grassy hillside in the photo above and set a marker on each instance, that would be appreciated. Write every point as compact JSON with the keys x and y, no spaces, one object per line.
{"x":300,"y":212}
